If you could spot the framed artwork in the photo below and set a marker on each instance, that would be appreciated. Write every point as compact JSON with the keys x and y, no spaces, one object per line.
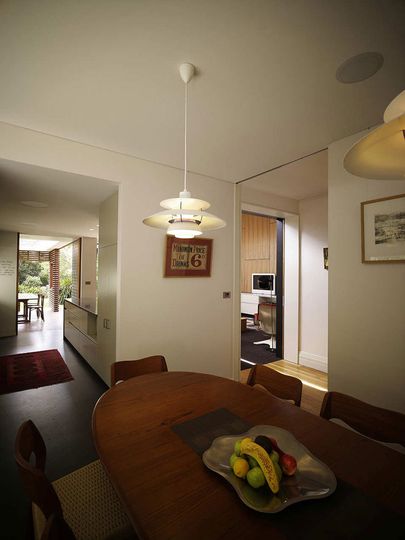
{"x":188,"y":257}
{"x":383,"y":230}
{"x":325,"y":258}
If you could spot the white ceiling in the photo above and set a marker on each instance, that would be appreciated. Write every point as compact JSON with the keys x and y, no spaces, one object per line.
{"x":301,"y":179}
{"x":105,"y":73}
{"x":42,"y":243}
{"x":72,"y":200}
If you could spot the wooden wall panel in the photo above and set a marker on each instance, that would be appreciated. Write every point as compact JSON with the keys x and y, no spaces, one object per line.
{"x":54,"y":279}
{"x":258,"y":247}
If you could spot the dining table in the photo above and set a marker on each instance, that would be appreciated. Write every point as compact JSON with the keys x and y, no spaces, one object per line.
{"x":24,"y":298}
{"x":151,"y":433}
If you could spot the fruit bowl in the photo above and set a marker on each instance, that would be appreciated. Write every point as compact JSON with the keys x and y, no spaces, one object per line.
{"x":312,"y":480}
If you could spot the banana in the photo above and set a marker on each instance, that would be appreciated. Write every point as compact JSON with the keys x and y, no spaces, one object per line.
{"x":261,"y":456}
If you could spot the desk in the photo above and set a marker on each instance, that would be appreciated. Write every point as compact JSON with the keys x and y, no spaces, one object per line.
{"x":23,"y":299}
{"x":169,"y":493}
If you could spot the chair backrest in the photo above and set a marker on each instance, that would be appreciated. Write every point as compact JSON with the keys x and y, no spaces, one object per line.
{"x":379,"y":424}
{"x":121,"y":371}
{"x":282,"y":386}
{"x":29,"y":443}
{"x":56,"y":528}
{"x":36,"y":302}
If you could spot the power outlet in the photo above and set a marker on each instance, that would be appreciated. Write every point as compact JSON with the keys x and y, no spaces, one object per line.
{"x":107,"y":324}
{"x":226,"y":294}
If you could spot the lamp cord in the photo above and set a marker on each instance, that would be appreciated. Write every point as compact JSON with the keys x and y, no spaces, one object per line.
{"x":185,"y":136}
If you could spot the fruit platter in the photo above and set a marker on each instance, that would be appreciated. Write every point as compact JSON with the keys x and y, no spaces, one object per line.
{"x":269,"y":469}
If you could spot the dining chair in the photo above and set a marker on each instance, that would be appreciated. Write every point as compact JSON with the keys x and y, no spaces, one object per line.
{"x":85,"y":498}
{"x":282,"y":386}
{"x":126,"y":369}
{"x":37,"y":306}
{"x":380,"y":424}
{"x":56,"y":528}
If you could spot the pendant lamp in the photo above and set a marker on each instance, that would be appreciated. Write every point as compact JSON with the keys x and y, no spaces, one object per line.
{"x":380,"y":155}
{"x":184,"y":216}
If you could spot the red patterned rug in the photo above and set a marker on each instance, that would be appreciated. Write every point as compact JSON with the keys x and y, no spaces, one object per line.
{"x":32,"y":370}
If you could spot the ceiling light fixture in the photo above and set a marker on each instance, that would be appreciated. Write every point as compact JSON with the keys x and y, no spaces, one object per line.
{"x":380,"y":155}
{"x":34,"y":204}
{"x":360,"y":67}
{"x":185,"y":217}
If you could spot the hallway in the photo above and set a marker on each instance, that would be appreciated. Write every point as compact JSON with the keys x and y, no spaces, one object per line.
{"x":61,"y":412}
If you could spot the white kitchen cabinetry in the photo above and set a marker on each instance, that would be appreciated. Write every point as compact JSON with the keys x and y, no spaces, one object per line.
{"x":80,"y":329}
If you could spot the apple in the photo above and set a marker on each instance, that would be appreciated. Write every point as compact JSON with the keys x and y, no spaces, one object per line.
{"x":288,"y":464}
{"x":276,"y":447}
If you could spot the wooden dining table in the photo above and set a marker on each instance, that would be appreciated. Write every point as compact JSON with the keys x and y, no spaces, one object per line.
{"x":140,"y":431}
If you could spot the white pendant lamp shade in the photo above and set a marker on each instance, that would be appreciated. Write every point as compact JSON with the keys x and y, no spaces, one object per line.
{"x":181,"y":229}
{"x":381,"y":154}
{"x":184,"y":216}
{"x":204,"y":220}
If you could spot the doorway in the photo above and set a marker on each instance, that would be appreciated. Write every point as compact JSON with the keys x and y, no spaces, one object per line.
{"x":262,"y":261}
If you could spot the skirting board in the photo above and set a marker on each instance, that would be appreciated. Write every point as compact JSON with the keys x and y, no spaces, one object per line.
{"x":313,"y":361}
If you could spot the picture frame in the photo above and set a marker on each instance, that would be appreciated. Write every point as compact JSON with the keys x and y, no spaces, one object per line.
{"x":325,"y":258}
{"x":383,"y":230}
{"x":188,"y":257}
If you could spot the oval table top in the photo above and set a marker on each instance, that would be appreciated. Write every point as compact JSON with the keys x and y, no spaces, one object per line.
{"x":169,"y":493}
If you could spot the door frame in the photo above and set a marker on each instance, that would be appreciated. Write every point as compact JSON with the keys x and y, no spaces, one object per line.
{"x":290,"y":321}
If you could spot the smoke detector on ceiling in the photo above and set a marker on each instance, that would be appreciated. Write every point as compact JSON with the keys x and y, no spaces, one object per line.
{"x":360,"y":67}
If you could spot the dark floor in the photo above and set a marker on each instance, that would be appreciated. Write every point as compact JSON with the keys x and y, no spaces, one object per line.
{"x":256,"y":354}
{"x":61,"y":412}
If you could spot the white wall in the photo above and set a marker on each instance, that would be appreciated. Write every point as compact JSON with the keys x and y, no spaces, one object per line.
{"x":107,"y":287}
{"x":8,"y":283}
{"x":268,"y":200}
{"x":313,"y":283}
{"x":186,"y":319}
{"x":366,"y":301}
{"x":88,"y":261}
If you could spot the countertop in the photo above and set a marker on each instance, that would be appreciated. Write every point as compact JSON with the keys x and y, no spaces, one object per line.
{"x":88,"y":304}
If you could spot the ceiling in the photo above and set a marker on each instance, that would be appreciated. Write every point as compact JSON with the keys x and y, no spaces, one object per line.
{"x":42,"y":243}
{"x":105,"y":73}
{"x":301,"y":179}
{"x":72,"y":201}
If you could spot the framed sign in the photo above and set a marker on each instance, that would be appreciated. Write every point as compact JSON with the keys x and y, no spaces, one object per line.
{"x":188,"y":257}
{"x":383,"y":230}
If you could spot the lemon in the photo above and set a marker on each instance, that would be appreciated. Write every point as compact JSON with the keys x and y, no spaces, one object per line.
{"x":240,"y":467}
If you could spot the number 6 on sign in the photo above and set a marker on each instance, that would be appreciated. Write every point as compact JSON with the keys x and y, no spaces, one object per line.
{"x":189,"y":257}
{"x":196,"y":260}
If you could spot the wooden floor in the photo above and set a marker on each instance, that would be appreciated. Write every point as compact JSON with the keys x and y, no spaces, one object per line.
{"x":315,"y":383}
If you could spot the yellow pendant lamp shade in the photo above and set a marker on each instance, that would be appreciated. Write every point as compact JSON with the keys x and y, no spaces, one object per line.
{"x":380,"y":155}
